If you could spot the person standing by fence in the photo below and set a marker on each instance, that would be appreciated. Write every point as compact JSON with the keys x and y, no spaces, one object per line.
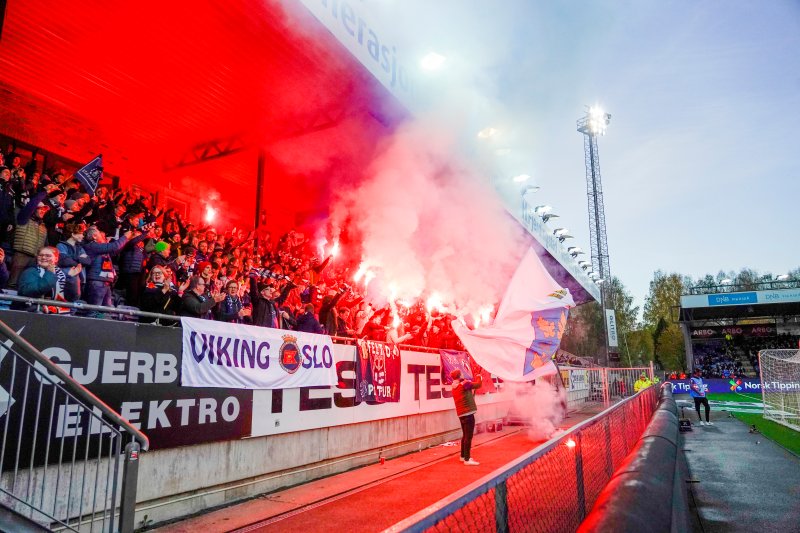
{"x":698,"y":392}
{"x":464,"y":398}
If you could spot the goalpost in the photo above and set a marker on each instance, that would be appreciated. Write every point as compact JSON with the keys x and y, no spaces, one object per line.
{"x":780,"y":386}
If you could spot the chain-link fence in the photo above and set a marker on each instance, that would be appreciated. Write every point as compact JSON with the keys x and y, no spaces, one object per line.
{"x":601,"y":386}
{"x":553,"y":487}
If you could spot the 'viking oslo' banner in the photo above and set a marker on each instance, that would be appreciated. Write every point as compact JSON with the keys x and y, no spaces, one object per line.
{"x":218,"y":354}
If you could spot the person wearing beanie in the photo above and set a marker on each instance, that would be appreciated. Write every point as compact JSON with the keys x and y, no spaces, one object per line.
{"x":464,"y":398}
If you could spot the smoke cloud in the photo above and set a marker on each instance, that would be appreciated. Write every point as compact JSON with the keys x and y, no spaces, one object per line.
{"x":429,"y":222}
{"x":539,"y":406}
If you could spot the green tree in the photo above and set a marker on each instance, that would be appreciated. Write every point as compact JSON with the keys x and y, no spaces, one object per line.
{"x":660,"y":318}
{"x":585,"y":334}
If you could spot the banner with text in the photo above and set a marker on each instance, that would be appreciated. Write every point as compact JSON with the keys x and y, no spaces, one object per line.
{"x":421,"y":391}
{"x":452,"y":359}
{"x":746,"y":330}
{"x":377,"y":371}
{"x":219,"y":354}
{"x":133,"y":368}
{"x":681,"y":386}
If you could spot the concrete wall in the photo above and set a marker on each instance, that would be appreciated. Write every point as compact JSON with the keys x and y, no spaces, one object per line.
{"x":179,"y":482}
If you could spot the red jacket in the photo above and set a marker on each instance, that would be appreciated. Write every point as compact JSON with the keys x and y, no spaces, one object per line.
{"x":464,"y":397}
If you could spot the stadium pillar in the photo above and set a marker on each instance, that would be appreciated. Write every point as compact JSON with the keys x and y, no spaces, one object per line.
{"x":260,"y":187}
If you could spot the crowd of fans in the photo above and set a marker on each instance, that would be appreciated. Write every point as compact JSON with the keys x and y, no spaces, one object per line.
{"x":725,"y":358}
{"x":717,"y":359}
{"x":118,"y":248}
{"x":752,"y":345}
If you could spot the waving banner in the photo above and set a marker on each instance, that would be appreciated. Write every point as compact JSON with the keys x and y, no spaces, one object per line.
{"x":377,"y":372}
{"x":219,"y":354}
{"x":520,"y":344}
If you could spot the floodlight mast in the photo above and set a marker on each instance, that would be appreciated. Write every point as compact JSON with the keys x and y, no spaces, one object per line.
{"x":592,"y":125}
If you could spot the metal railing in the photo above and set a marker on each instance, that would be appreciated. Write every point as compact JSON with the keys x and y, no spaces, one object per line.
{"x":550,"y":489}
{"x":62,"y":446}
{"x":769,"y":285}
{"x":600,"y":385}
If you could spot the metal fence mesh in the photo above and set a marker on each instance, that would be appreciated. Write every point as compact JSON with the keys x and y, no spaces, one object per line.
{"x":553,"y":488}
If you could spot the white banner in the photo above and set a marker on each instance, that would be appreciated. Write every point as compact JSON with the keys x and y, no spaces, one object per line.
{"x":578,"y":380}
{"x":219,"y":354}
{"x":421,"y":391}
{"x":611,"y":322}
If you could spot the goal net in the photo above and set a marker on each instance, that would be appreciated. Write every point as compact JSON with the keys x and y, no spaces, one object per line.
{"x":780,"y":386}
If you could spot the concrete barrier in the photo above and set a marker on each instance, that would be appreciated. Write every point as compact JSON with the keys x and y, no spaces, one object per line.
{"x":648,"y":492}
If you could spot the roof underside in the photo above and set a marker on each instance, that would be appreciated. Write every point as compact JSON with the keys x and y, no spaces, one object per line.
{"x":145,"y":82}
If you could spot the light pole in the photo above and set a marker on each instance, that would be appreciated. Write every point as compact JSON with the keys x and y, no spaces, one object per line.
{"x":593,"y":125}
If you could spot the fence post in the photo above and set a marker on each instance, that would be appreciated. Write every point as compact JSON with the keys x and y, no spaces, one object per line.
{"x":606,"y":392}
{"x":130,"y":476}
{"x":579,"y":475}
{"x":501,"y":508}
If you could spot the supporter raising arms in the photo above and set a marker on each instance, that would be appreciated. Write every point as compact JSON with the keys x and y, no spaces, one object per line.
{"x":100,"y":275}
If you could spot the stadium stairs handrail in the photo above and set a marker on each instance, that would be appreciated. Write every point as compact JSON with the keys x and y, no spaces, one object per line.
{"x":73,"y":386}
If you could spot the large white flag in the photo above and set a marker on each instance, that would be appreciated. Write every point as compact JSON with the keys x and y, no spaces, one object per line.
{"x":530,"y":321}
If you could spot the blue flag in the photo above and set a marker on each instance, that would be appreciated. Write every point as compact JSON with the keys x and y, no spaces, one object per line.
{"x":91,"y":174}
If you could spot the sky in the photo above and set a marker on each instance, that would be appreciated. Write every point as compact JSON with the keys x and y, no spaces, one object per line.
{"x":700,"y":168}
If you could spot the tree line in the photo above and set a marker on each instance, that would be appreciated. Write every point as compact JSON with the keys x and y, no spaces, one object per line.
{"x":656,"y":336}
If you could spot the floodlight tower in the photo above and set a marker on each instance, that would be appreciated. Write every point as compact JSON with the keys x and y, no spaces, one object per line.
{"x":593,"y":125}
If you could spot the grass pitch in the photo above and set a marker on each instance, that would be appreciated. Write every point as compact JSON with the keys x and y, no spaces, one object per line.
{"x":786,"y":437}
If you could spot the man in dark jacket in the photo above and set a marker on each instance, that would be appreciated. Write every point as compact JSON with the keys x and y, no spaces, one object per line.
{"x":100,"y":275}
{"x":266,"y":302}
{"x":195,"y":303}
{"x":464,"y":398}
{"x":308,"y":323}
{"x":131,"y":264}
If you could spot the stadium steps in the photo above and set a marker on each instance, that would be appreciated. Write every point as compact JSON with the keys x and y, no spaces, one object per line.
{"x":11,"y":520}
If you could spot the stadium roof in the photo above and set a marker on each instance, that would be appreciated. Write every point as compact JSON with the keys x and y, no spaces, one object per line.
{"x":146,"y":85}
{"x":156,"y":88}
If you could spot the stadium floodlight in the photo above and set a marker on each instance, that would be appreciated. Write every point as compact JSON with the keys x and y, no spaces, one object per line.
{"x":485,"y":133}
{"x":782,"y":277}
{"x":558,"y":232}
{"x":530,"y":189}
{"x":432,"y":61}
{"x":584,"y":264}
{"x":520,"y":178}
{"x":574,"y":251}
{"x":595,"y":122}
{"x":599,"y":281}
{"x":542,"y":209}
{"x":548,"y":216}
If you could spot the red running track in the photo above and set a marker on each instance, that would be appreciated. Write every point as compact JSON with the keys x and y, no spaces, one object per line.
{"x":370,"y":498}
